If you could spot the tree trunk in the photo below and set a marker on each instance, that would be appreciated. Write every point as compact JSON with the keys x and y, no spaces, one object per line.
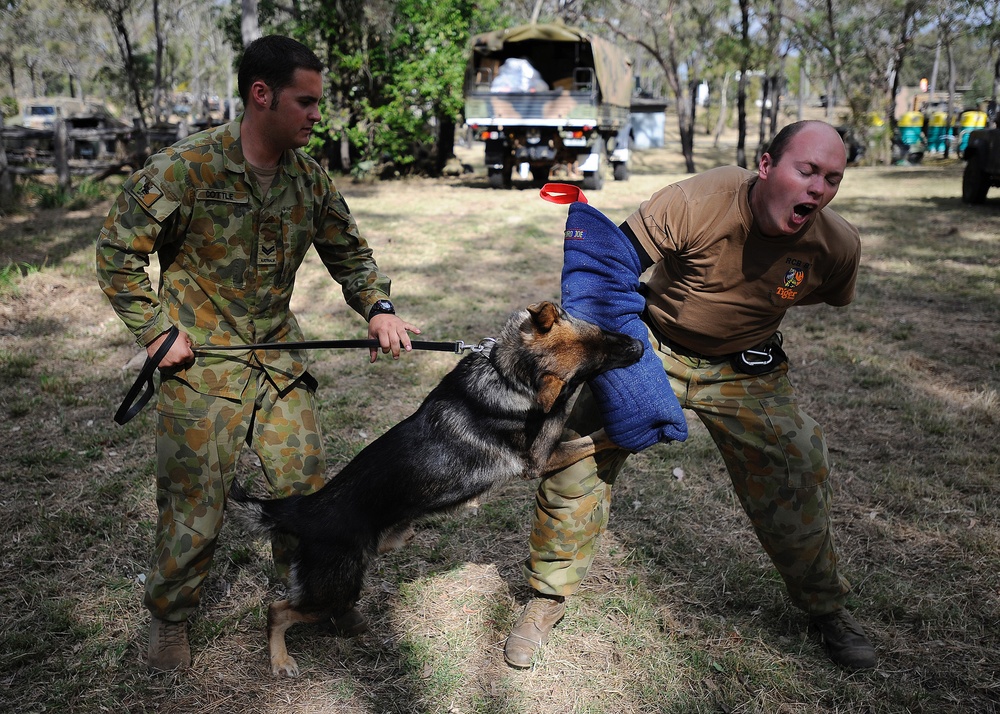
{"x":6,"y":180}
{"x":445,"y":142}
{"x":951,"y":93}
{"x":741,"y":94}
{"x":249,"y":25}
{"x":765,"y":121}
{"x":117,"y":19}
{"x":932,"y":87}
{"x":834,"y":85}
{"x":996,"y":79}
{"x":831,"y":96}
{"x":12,"y":78}
{"x":685,"y":121}
{"x":803,"y":88}
{"x":723,"y":108}
{"x":61,"y":142}
{"x":345,"y":152}
{"x":777,"y":87}
{"x":158,"y":93}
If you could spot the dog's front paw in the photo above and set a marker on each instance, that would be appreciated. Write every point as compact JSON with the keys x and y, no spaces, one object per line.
{"x":284,"y":667}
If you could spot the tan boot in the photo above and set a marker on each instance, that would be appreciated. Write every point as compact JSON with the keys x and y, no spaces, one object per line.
{"x":532,"y":630}
{"x":168,"y":645}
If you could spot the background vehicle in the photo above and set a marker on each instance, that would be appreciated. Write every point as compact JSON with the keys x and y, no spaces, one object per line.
{"x":44,"y":112}
{"x":982,"y":164}
{"x":546,"y":97}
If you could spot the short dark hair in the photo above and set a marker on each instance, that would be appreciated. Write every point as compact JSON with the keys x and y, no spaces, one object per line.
{"x":274,"y":59}
{"x":780,"y":142}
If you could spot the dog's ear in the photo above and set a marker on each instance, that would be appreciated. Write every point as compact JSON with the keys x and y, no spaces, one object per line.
{"x":549,"y":391}
{"x":543,"y":315}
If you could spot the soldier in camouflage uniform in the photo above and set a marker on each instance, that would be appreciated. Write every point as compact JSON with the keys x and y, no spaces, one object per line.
{"x":230,"y":213}
{"x":731,"y":251}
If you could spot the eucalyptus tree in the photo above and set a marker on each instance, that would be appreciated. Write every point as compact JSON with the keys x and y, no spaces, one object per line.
{"x":27,"y":41}
{"x":249,"y":21}
{"x":773,"y":52}
{"x":984,"y":19}
{"x":896,"y":28}
{"x":120,"y":15}
{"x":665,"y":30}
{"x":69,"y":41}
{"x":12,"y":21}
{"x":821,"y":28}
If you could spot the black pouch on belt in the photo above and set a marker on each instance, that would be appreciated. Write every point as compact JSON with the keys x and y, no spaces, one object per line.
{"x":762,"y":359}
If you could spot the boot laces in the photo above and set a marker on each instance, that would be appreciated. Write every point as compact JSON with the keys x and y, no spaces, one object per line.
{"x":173,"y":634}
{"x":843,"y":627}
{"x":539,"y":610}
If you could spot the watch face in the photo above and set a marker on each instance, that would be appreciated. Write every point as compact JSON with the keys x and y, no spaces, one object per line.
{"x":383,"y":305}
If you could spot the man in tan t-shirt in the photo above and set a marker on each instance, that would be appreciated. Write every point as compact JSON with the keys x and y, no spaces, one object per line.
{"x":730,"y":250}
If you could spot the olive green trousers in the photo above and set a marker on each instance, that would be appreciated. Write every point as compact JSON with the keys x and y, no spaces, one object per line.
{"x":777,"y":460}
{"x":198,"y":441}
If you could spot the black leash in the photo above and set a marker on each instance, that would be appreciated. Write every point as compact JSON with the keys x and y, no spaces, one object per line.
{"x":134,"y":401}
{"x":142,"y":390}
{"x":456,"y":347}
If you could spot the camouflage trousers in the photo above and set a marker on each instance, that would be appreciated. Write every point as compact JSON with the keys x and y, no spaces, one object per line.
{"x":198,"y":441}
{"x":777,"y":460}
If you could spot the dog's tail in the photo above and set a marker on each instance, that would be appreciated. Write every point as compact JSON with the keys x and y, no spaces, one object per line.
{"x":254,"y":513}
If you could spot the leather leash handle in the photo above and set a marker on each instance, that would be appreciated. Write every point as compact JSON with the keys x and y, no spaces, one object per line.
{"x":134,"y":402}
{"x":562,"y":193}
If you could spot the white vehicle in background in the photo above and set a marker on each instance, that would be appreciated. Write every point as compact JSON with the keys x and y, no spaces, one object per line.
{"x":43,"y":112}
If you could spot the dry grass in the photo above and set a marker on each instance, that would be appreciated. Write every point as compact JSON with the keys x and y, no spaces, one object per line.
{"x":682,"y":612}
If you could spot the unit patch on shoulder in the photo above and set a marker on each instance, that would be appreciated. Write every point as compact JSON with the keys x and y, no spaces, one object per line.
{"x":147,"y":193}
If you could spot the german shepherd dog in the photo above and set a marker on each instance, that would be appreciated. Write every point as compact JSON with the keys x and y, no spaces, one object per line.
{"x":494,"y":418}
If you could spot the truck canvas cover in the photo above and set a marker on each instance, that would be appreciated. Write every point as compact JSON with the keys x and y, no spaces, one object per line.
{"x":612,"y":66}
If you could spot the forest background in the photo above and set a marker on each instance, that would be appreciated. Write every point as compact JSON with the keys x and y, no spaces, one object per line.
{"x":396,"y":67}
{"x":682,"y":612}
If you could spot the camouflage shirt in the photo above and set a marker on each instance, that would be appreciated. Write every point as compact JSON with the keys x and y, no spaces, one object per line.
{"x":228,"y":255}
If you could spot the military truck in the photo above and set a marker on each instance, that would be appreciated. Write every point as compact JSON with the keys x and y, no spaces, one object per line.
{"x":982,"y":164}
{"x":548,"y":98}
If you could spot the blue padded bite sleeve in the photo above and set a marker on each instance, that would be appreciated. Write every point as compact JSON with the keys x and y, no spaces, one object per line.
{"x":600,"y":283}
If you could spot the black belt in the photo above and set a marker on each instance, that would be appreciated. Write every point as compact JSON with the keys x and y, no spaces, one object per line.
{"x":680,"y":349}
{"x":761,"y":359}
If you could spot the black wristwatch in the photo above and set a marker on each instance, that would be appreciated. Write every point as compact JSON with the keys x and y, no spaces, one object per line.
{"x":381,"y":307}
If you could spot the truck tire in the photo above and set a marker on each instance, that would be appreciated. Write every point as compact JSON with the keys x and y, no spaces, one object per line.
{"x":621,"y":171}
{"x":975,"y":182}
{"x":496,"y":178}
{"x":503,"y":177}
{"x":593,"y":180}
{"x":540,"y":174}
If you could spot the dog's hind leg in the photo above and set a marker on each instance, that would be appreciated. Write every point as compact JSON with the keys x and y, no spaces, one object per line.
{"x":280,"y":616}
{"x":396,"y":538}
